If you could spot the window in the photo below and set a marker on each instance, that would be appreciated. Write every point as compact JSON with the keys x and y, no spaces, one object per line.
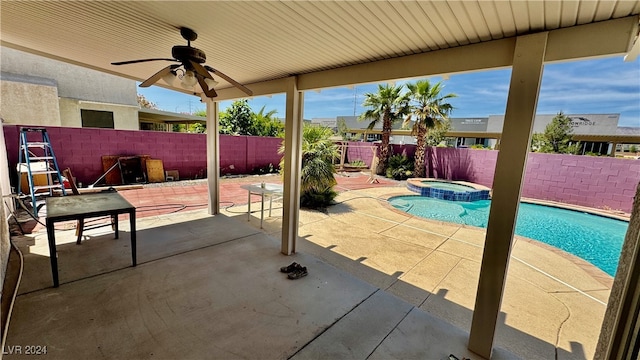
{"x":97,"y":119}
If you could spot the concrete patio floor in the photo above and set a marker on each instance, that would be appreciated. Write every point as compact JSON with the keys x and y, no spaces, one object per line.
{"x":553,"y":305}
{"x":382,"y":284}
{"x":209,"y":287}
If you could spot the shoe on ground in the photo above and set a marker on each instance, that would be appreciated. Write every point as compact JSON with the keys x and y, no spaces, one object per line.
{"x":290,"y":268}
{"x":298,"y":273}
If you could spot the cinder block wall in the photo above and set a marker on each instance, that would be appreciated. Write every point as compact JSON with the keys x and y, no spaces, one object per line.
{"x":81,"y":149}
{"x":361,"y":150}
{"x":598,"y":182}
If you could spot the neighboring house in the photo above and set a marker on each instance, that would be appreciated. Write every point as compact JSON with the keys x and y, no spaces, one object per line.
{"x":39,"y":91}
{"x":598,"y":133}
{"x":358,"y":129}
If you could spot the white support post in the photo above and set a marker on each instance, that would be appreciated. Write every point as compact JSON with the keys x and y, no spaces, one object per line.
{"x":292,"y":165}
{"x":526,"y":76}
{"x":213,"y":157}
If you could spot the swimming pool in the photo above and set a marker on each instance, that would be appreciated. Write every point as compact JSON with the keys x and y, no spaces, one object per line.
{"x":596,"y":239}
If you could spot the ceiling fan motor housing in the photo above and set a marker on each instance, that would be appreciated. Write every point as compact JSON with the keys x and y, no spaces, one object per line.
{"x":184,"y":53}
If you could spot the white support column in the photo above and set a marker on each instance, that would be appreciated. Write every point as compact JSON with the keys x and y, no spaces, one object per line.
{"x":526,"y":76}
{"x":292,"y":165}
{"x":213,"y":158}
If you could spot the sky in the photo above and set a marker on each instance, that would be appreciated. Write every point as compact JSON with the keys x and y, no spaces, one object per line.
{"x":599,"y":86}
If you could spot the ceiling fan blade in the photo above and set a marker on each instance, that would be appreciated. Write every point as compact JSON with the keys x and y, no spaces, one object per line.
{"x":230,"y":80}
{"x":157,"y":76}
{"x":200,"y":70}
{"x":139,"y":61}
{"x":210,"y":93}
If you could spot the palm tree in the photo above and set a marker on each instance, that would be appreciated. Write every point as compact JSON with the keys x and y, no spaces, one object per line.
{"x":429,"y":111}
{"x":389,"y":104}
{"x":266,"y":124}
{"x":317,"y":176}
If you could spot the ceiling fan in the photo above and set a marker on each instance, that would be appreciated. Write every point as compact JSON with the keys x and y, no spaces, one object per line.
{"x":190,"y":68}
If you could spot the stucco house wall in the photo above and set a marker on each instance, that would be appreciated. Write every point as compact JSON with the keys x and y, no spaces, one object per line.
{"x":5,"y":189}
{"x":42,"y":91}
{"x":122,"y":114}
{"x":29,"y":100}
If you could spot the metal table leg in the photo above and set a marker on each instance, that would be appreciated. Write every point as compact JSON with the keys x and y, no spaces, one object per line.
{"x":132,"y":222}
{"x":51,"y":236}
{"x":249,"y":205}
{"x":261,"y":209}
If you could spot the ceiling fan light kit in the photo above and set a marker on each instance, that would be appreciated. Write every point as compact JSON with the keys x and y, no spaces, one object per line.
{"x":188,"y":80}
{"x":189,"y":69}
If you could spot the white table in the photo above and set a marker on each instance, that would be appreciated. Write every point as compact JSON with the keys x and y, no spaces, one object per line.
{"x":262,"y":189}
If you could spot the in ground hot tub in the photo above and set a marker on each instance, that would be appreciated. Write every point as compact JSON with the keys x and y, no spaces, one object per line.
{"x":448,"y":190}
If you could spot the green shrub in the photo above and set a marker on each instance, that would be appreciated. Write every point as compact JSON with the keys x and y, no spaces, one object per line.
{"x":357,"y":163}
{"x":477,"y":146}
{"x":400,"y":167}
{"x":317,"y":199}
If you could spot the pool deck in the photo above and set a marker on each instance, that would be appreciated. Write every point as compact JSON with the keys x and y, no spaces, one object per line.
{"x":553,"y":305}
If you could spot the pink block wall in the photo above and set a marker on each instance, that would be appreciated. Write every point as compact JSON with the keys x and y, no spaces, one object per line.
{"x":360,"y":150}
{"x":81,"y":150}
{"x":598,"y":182}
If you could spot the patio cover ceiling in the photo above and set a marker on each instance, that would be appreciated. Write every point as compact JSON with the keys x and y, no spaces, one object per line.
{"x":263,"y":41}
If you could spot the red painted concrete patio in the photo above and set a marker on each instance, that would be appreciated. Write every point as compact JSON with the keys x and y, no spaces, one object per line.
{"x":158,"y":199}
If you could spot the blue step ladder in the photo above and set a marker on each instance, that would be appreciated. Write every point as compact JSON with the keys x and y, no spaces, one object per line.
{"x":37,"y":158}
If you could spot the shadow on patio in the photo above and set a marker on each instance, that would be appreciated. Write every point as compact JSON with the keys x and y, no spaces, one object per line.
{"x":209,"y":287}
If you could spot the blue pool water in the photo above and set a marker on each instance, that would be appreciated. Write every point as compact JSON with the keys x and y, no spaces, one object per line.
{"x":594,"y":238}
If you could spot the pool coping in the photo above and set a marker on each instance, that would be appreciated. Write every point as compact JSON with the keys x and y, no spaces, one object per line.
{"x":595,"y":272}
{"x":419,"y":183}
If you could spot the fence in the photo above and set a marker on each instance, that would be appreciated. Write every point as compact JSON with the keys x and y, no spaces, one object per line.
{"x":81,"y":149}
{"x":599,"y":182}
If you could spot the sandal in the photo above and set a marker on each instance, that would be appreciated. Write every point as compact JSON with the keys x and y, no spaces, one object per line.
{"x":292,"y":267}
{"x":298,"y":273}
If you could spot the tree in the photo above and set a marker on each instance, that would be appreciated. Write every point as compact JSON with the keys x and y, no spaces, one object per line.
{"x":436,"y":136}
{"x":389,"y":104}
{"x":238,"y":120}
{"x":198,"y":128}
{"x":429,"y":110}
{"x":556,"y":137}
{"x":317,"y":174}
{"x":267,"y":124}
{"x":343,"y":130}
{"x":144,"y":103}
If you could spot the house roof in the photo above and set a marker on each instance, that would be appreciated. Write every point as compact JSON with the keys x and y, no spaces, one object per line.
{"x":259,"y":42}
{"x":154,"y":115}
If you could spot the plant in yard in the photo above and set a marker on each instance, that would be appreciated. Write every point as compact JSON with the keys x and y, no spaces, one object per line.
{"x":556,"y":137}
{"x":429,"y":110}
{"x":357,"y":163}
{"x":400,"y":167}
{"x":342,"y":128}
{"x":238,"y":119}
{"x":388,"y":105}
{"x":266,"y":124}
{"x":436,"y":136}
{"x":317,"y":175}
